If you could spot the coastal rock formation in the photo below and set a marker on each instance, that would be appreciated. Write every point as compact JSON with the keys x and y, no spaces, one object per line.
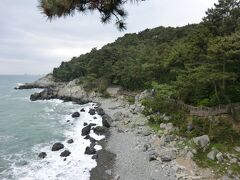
{"x":90,"y":150}
{"x":82,"y":110}
{"x":76,"y":114}
{"x":70,"y":141}
{"x":86,"y":130}
{"x":92,"y":112}
{"x":100,"y":130}
{"x":65,"y":153}
{"x":42,"y":155}
{"x":57,"y":146}
{"x":44,"y":82}
{"x":100,"y":111}
{"x":105,"y":122}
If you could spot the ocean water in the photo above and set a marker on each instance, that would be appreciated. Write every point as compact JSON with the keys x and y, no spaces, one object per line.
{"x":28,"y":128}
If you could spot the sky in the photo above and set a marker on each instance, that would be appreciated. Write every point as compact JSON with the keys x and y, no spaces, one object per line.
{"x":29,"y":43}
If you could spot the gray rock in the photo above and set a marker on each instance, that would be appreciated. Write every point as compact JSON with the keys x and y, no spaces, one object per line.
{"x":165,"y":117}
{"x":219,"y":157}
{"x":65,"y":153}
{"x":42,"y":155}
{"x":92,"y":112}
{"x":153,"y":156}
{"x":189,"y":127}
{"x":82,"y":110}
{"x":202,"y":141}
{"x":100,"y":130}
{"x":233,"y":160}
{"x":118,"y":116}
{"x":146,"y":147}
{"x":70,"y":141}
{"x":168,"y":155}
{"x":162,"y":125}
{"x":169,"y":127}
{"x":189,"y":155}
{"x":57,"y":146}
{"x":194,"y":151}
{"x":166,"y":139}
{"x":212,"y":154}
{"x":237,"y":149}
{"x":76,"y":114}
{"x":95,"y":156}
{"x":86,"y":130}
{"x":147,"y":133}
{"x":105,"y":123}
{"x":90,"y":150}
{"x":100,"y":111}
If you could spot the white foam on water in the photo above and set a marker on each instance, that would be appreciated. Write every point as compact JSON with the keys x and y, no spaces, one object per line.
{"x":77,"y":166}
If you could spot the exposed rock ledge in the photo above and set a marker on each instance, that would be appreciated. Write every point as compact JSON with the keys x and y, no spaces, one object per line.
{"x":67,"y":91}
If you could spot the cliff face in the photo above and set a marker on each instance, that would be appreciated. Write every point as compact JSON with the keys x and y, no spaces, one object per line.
{"x":67,"y":91}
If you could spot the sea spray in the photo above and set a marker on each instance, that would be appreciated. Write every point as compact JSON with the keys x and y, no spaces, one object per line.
{"x":28,"y":128}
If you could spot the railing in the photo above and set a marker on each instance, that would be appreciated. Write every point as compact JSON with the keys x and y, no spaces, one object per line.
{"x":206,"y":111}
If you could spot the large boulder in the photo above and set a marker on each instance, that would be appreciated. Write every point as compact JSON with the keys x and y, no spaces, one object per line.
{"x":57,"y":146}
{"x":202,"y":141}
{"x":65,"y":153}
{"x":75,"y":114}
{"x":42,"y":155}
{"x":90,"y":150}
{"x":100,"y":130}
{"x":86,"y":130}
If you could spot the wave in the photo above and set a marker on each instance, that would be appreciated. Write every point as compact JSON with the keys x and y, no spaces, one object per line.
{"x":77,"y":166}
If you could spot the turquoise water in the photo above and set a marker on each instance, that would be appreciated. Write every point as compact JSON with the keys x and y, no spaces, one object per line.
{"x":27,"y":128}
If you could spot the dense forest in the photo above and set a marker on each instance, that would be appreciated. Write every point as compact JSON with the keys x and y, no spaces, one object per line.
{"x":198,"y":64}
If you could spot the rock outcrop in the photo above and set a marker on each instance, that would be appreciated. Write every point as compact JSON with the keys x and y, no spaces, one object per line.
{"x":42,"y":155}
{"x":86,"y":130}
{"x":57,"y":146}
{"x":65,"y":153}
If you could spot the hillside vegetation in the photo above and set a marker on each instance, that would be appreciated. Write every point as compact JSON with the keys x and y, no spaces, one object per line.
{"x":198,"y":64}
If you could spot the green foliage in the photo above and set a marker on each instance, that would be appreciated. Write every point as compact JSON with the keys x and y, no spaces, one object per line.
{"x":107,"y":9}
{"x":198,"y":64}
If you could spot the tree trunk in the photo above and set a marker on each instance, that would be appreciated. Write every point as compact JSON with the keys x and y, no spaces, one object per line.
{"x":216,"y":92}
{"x":224,"y":81}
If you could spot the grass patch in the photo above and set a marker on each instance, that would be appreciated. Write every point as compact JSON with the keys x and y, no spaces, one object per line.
{"x":221,"y":168}
{"x":154,"y":126}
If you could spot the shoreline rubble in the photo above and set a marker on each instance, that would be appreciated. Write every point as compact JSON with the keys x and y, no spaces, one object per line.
{"x":131,"y":150}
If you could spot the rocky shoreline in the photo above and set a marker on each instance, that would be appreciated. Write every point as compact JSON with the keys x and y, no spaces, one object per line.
{"x":132,"y":150}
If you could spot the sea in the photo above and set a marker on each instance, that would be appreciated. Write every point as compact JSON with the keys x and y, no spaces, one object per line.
{"x":28,"y":128}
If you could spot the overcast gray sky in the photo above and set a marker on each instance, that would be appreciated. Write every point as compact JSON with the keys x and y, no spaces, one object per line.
{"x":31,"y":44}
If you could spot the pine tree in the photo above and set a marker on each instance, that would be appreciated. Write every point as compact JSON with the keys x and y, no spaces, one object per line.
{"x":108,"y":9}
{"x":224,"y":18}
